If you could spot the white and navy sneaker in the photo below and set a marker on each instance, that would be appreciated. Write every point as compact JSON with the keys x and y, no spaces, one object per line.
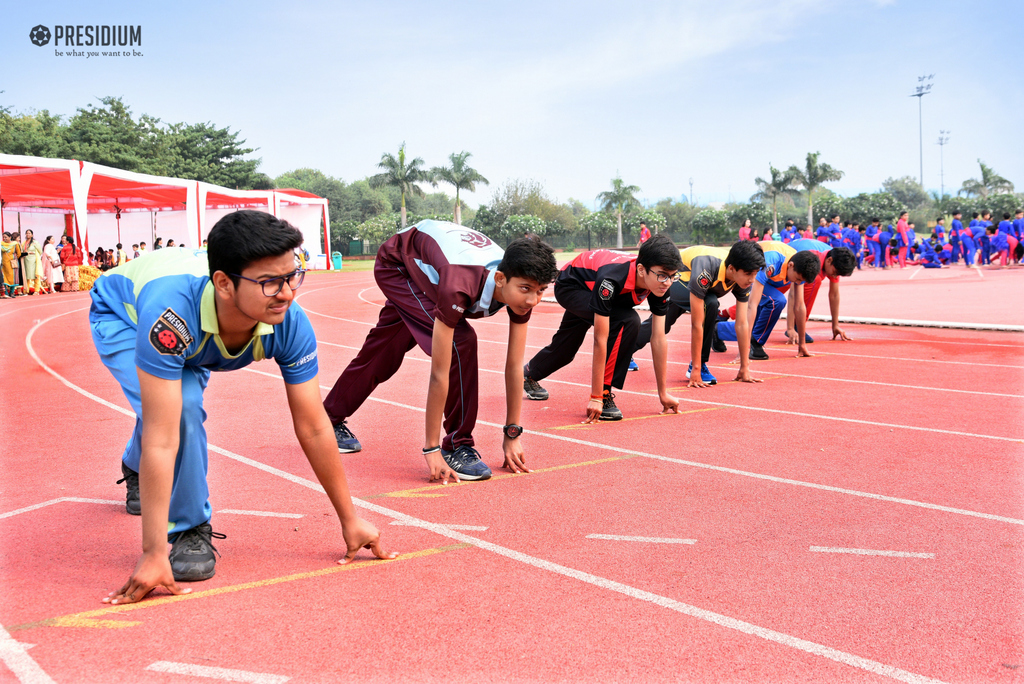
{"x":193,"y":555}
{"x":466,"y":463}
{"x":347,"y":442}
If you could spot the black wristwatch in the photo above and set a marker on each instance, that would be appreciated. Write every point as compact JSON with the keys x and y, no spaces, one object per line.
{"x":512,"y":431}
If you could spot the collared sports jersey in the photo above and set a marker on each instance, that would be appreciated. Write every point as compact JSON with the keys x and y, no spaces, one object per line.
{"x":611,"y":276}
{"x":704,"y":271}
{"x":453,"y":265}
{"x":168,"y":297}
{"x":776,"y":261}
{"x":821,"y":249}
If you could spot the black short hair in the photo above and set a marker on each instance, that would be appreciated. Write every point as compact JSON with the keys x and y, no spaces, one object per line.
{"x":746,"y":256}
{"x":843,"y":261}
{"x":119,"y":246}
{"x":876,"y":220}
{"x":975,"y":215}
{"x":807,"y":264}
{"x":530,"y":258}
{"x":246,"y":236}
{"x":659,"y":251}
{"x":835,"y":216}
{"x":991,"y":230}
{"x":1006,"y":215}
{"x":941,"y":218}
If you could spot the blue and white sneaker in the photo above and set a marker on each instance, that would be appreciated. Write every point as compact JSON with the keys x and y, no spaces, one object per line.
{"x":633,"y":366}
{"x":465,"y":461}
{"x":705,"y":374}
{"x":347,"y":442}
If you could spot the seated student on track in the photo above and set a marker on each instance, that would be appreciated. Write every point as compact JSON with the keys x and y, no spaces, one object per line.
{"x":600,"y":289}
{"x":930,"y":253}
{"x":835,"y":263}
{"x":161,"y":324}
{"x":708,"y":274}
{"x":436,"y":277}
{"x":784,"y":266}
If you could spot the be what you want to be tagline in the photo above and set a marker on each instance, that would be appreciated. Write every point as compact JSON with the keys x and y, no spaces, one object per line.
{"x":89,"y":41}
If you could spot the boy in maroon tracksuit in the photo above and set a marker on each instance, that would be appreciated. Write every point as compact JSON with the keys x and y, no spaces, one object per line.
{"x":600,"y":289}
{"x":436,"y":275}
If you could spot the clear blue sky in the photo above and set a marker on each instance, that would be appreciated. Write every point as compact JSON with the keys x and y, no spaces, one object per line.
{"x":568,"y":94}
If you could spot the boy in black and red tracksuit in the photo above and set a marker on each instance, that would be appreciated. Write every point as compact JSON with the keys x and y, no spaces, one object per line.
{"x":436,"y":276}
{"x":600,"y":289}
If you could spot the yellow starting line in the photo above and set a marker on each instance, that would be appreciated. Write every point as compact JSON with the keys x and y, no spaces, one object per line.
{"x":88,"y":618}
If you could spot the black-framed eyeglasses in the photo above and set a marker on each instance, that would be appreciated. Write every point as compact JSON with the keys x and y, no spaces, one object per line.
{"x":664,"y":277}
{"x":273,"y":286}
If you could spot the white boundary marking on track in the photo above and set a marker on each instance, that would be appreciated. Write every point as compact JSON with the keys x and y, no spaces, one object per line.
{"x":15,"y":656}
{"x":649,"y":540}
{"x":222,"y":673}
{"x":73,"y":499}
{"x":611,"y":585}
{"x":918,"y":270}
{"x":870,"y":552}
{"x":893,"y":358}
{"x":262,"y":514}
{"x":464,"y":528}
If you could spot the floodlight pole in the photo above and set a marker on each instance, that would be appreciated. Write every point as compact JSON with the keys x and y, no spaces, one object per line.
{"x":943,"y":139}
{"x":691,"y":192}
{"x":922,"y":90}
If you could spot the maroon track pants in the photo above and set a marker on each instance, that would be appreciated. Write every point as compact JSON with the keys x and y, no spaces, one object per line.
{"x":406,"y":321}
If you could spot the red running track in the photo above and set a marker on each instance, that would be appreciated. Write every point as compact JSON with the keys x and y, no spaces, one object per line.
{"x":906,"y":442}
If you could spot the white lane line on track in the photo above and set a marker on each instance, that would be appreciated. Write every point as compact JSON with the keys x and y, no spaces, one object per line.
{"x":221,"y":673}
{"x":611,"y":585}
{"x":263,"y":514}
{"x":73,"y":499}
{"x":893,"y":358}
{"x":464,"y":528}
{"x":918,"y":270}
{"x":649,"y":540}
{"x":14,"y":655}
{"x":870,"y":552}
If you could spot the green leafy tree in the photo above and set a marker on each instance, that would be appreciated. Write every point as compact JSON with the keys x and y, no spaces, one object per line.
{"x":678,"y":218}
{"x":461,"y":176}
{"x":209,"y":154}
{"x":619,"y":200}
{"x":711,"y":226}
{"x":401,"y":173}
{"x":34,"y":135}
{"x":907,"y":191}
{"x":379,"y":228}
{"x":738,"y":212}
{"x":520,"y":225}
{"x":599,"y":225}
{"x":781,"y":183}
{"x":991,"y":183}
{"x":109,"y":135}
{"x":813,"y":176}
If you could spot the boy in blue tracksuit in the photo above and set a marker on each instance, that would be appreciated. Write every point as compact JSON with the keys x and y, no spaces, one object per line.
{"x":956,"y":229}
{"x":928,"y":257}
{"x":161,"y":323}
{"x":980,"y":233}
{"x":968,"y":245}
{"x":871,"y":240}
{"x":784,"y":266}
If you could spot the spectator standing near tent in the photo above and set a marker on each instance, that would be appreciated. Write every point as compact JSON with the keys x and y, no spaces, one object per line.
{"x":158,"y":244}
{"x":71,"y":258}
{"x":51,"y":266}
{"x":31,"y":252}
{"x":11,"y":254}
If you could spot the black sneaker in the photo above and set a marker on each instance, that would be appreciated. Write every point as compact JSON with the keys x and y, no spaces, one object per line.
{"x":808,"y":339}
{"x":610,"y":411}
{"x":465,"y":461}
{"x":533,"y":389}
{"x":347,"y":442}
{"x":717,"y":344}
{"x":131,"y":499}
{"x":757,"y":352}
{"x":192,"y":554}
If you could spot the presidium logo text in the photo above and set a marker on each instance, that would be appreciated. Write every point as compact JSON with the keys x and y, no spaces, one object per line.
{"x":72,"y":36}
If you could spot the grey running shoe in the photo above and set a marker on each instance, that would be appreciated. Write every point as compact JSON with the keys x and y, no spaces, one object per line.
{"x":533,"y":389}
{"x":465,"y":461}
{"x":131,"y":499}
{"x":192,"y":554}
{"x":610,"y":411}
{"x":347,"y":442}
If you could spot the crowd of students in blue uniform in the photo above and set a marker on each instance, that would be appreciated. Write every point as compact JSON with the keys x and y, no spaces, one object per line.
{"x":983,"y":241}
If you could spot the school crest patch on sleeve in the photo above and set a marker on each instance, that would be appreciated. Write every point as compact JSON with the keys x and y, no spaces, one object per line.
{"x":606,"y":289}
{"x":769,"y":271}
{"x":704,"y":279}
{"x":169,"y":335}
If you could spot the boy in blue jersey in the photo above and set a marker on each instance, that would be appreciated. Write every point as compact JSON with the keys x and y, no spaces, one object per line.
{"x":161,"y":324}
{"x":784,"y":266}
{"x":956,"y":229}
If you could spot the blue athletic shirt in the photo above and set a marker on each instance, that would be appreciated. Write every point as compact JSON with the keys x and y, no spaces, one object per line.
{"x":168,"y":297}
{"x":776,"y":261}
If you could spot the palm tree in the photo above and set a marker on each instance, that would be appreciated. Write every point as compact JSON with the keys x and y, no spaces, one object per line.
{"x":991,"y":183}
{"x":402,"y":175}
{"x":619,"y":199}
{"x":782,"y":183}
{"x":461,"y":176}
{"x":811,"y":177}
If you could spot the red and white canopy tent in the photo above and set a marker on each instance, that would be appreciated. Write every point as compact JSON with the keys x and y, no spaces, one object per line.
{"x":101,"y":206}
